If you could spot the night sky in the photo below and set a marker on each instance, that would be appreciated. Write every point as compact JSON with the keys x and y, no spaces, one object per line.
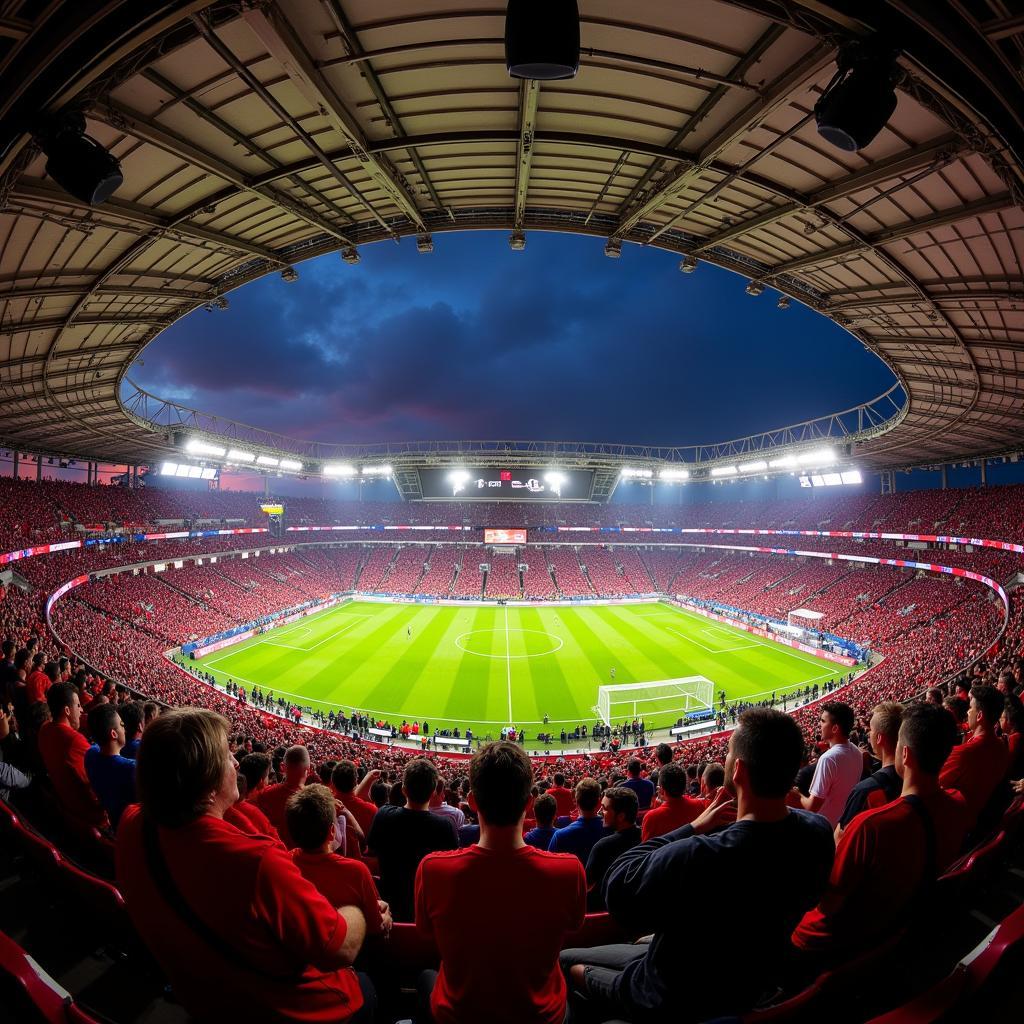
{"x":478,"y":342}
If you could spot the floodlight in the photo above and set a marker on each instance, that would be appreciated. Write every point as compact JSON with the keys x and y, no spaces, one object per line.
{"x":755,"y":287}
{"x":76,"y":161}
{"x":458,"y":476}
{"x":339,"y":469}
{"x":783,"y":303}
{"x":688,"y":264}
{"x":221,"y":302}
{"x":554,"y":477}
{"x":289,"y":274}
{"x":267,"y":460}
{"x":209,"y":473}
{"x":350,"y":255}
{"x":197,"y":447}
{"x":291,"y":465}
{"x":785,"y":462}
{"x":377,"y":471}
{"x":183,"y":470}
{"x":542,"y":41}
{"x":424,"y":244}
{"x":632,"y":473}
{"x":861,"y":97}
{"x":168,"y":469}
{"x":235,"y":455}
{"x":819,"y":457}
{"x":753,"y":467}
{"x":852,"y":476}
{"x":673,"y":475}
{"x":517,"y":241}
{"x":724,"y":471}
{"x":832,"y":479}
{"x":817,"y":480}
{"x":613,"y":248}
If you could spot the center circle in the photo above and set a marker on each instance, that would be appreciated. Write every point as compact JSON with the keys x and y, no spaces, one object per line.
{"x":464,"y":642}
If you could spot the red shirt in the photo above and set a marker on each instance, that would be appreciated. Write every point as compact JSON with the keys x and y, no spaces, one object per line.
{"x":879,"y":866}
{"x":62,"y":750}
{"x":362,"y":810}
{"x":248,"y":891}
{"x":272,"y":802}
{"x":343,"y":883}
{"x":975,"y":768}
{"x":247,"y":817}
{"x":675,"y":812}
{"x":505,"y":970}
{"x":36,"y":686}
{"x":565,"y":802}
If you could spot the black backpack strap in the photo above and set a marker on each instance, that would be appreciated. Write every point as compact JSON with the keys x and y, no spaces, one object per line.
{"x":172,"y":896}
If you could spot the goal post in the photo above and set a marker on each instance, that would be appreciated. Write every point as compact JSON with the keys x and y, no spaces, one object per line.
{"x":676,"y":697}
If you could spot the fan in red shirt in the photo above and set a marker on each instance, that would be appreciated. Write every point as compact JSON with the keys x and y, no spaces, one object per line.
{"x":565,"y":799}
{"x":976,"y":767}
{"x":676,"y":808}
{"x":343,"y":782}
{"x":62,"y":750}
{"x":40,"y":679}
{"x":508,"y":972}
{"x":229,"y":917}
{"x":888,"y":856}
{"x":342,"y":882}
{"x":274,"y":799}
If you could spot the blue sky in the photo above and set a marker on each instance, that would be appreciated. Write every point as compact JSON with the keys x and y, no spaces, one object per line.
{"x":476,"y":342}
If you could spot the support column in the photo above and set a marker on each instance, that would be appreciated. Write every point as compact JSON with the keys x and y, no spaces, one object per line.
{"x":39,"y":468}
{"x":266,"y":486}
{"x":17,"y":460}
{"x":945,"y":481}
{"x":984,"y":472}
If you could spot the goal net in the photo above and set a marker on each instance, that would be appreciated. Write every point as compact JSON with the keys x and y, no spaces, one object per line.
{"x":676,"y":697}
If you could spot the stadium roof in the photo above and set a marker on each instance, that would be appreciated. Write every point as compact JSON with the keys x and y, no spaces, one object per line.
{"x":255,"y":136}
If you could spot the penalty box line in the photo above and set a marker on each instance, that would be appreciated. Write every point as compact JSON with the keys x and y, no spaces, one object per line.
{"x":356,"y":620}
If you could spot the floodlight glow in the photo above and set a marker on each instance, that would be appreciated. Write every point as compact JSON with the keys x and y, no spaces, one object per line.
{"x":786,"y":462}
{"x":671,"y":475}
{"x":833,"y":479}
{"x":632,"y":473}
{"x":724,"y":471}
{"x":197,"y":447}
{"x":169,"y":469}
{"x":182,"y":470}
{"x":753,"y":467}
{"x":267,"y":460}
{"x":377,"y":471}
{"x":852,"y":476}
{"x":291,"y":464}
{"x":554,"y":477}
{"x":817,"y":480}
{"x":458,"y":476}
{"x":339,"y":469}
{"x":195,"y":472}
{"x":819,"y":457}
{"x":234,"y":455}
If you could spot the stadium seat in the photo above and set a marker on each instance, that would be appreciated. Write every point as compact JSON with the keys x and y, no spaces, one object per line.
{"x":598,"y":929}
{"x":28,"y":995}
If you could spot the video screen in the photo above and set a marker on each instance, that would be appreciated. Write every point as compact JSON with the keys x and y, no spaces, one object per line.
{"x":530,"y":484}
{"x":504,"y":536}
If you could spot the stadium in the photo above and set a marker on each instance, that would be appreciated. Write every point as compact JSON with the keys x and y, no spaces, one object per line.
{"x":320,"y":728}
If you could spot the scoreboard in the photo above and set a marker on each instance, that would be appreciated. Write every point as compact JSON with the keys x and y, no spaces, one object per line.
{"x":474,"y":483}
{"x":504,"y":536}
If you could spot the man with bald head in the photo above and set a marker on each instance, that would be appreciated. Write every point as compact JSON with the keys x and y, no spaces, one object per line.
{"x":273,"y":800}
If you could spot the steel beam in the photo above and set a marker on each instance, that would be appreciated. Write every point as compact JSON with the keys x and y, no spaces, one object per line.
{"x":529,"y":94}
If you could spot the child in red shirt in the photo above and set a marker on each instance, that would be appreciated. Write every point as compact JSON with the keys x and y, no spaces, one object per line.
{"x":343,"y":882}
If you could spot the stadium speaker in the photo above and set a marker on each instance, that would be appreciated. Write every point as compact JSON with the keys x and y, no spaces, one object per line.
{"x":861,"y":97}
{"x":542,"y":39}
{"x":76,"y":161}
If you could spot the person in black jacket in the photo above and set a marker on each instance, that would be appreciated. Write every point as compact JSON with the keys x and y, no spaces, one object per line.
{"x":619,"y":810}
{"x":659,"y":886}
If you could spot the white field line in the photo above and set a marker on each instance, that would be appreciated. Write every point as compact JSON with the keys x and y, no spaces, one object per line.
{"x":355,"y":621}
{"x":508,"y":667}
{"x":710,"y":650}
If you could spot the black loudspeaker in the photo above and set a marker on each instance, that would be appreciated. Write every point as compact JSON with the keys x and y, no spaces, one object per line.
{"x":860,"y":99}
{"x":542,"y":39}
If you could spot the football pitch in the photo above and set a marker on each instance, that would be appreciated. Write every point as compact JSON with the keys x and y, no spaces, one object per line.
{"x":486,"y":667}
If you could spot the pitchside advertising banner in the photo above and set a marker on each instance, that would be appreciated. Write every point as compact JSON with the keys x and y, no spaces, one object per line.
{"x":536,"y":484}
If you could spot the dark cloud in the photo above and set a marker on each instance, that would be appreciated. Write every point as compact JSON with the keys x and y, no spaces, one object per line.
{"x":478,"y":342}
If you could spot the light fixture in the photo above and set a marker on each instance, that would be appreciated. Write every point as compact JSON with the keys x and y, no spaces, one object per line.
{"x":289,"y":274}
{"x":861,"y":97}
{"x":76,"y":161}
{"x":221,"y":302}
{"x":339,"y":469}
{"x":350,"y":255}
{"x":291,"y":465}
{"x":236,"y":455}
{"x":634,"y":473}
{"x":517,"y":241}
{"x":377,"y":471}
{"x":818,"y":457}
{"x":724,"y":471}
{"x":613,"y":248}
{"x":758,"y":466}
{"x":197,"y":447}
{"x":458,"y":476}
{"x":785,"y":462}
{"x":755,"y":287}
{"x":267,"y":460}
{"x":542,"y":41}
{"x":424,"y":243}
{"x":783,"y":303}
{"x":688,"y":264}
{"x":673,"y":475}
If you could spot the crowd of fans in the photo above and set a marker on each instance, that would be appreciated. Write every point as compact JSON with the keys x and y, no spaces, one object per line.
{"x":264,"y":862}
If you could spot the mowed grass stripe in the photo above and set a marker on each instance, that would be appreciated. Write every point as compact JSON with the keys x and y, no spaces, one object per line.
{"x":658,"y":655}
{"x":542,"y":685}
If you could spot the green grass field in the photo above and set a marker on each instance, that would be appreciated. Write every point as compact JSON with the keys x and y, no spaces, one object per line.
{"x":491,"y":666}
